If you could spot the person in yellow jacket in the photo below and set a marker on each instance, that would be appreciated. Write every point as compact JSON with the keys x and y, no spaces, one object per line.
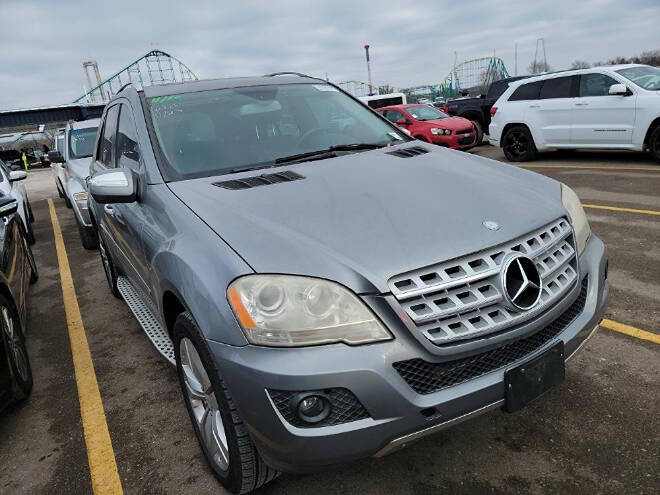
{"x":24,"y":158}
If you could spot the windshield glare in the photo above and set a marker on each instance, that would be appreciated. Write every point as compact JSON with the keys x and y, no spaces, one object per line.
{"x":644,"y":77}
{"x":426,"y":112}
{"x":214,"y":132}
{"x":81,"y":142}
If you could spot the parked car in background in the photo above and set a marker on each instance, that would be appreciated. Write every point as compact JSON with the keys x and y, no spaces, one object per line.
{"x":11,"y":186}
{"x":12,"y":158}
{"x":70,"y":163}
{"x":17,"y":270}
{"x":615,"y":107}
{"x":478,"y":109}
{"x":426,"y":123}
{"x":327,"y":293}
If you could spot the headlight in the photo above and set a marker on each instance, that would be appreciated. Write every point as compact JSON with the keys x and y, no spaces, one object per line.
{"x":437,"y":132}
{"x":290,"y":311}
{"x":578,"y":217}
{"x":447,"y":132}
{"x":80,"y":196}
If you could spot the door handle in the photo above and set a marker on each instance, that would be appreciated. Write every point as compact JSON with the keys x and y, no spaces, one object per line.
{"x":535,"y":106}
{"x":109,"y":210}
{"x":581,"y":104}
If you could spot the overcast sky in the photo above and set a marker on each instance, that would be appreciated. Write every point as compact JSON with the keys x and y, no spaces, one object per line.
{"x":43,"y":43}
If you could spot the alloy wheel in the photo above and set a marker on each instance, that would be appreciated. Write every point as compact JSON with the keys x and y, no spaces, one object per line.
{"x":517,"y":143}
{"x":203,"y":402}
{"x":15,"y":344}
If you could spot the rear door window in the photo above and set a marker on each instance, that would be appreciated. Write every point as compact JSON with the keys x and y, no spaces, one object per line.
{"x":557,"y":87}
{"x":529,"y":91}
{"x":394,"y":115}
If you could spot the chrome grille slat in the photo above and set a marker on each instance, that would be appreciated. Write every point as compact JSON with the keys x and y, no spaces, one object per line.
{"x":462,"y":298}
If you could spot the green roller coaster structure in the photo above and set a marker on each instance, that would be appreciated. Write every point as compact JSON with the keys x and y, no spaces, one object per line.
{"x":472,"y":76}
{"x":155,"y":67}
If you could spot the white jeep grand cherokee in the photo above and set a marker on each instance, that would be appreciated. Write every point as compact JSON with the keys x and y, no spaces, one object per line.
{"x":616,"y":107}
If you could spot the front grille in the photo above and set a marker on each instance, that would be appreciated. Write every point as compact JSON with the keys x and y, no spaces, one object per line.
{"x":462,"y":298}
{"x":345,"y":407}
{"x":426,"y":378}
{"x":464,"y":131}
{"x":466,"y":140}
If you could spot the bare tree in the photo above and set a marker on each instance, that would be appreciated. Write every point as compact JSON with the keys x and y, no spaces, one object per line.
{"x":537,"y":67}
{"x":580,"y":64}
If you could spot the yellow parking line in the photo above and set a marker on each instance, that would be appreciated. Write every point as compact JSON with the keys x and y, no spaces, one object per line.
{"x":625,"y":210}
{"x":632,"y":331}
{"x":594,"y":167}
{"x":100,"y":456}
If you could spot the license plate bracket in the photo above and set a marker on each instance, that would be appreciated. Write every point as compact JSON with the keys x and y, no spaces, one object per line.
{"x":529,"y":381}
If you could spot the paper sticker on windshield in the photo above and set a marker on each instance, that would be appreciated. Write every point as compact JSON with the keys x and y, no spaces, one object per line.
{"x":325,"y":87}
{"x":414,"y":115}
{"x":395,"y":135}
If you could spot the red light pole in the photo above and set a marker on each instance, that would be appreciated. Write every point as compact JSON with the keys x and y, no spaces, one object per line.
{"x":371,"y":87}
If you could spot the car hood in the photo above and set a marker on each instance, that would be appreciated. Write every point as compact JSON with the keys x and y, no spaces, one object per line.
{"x":78,"y":169}
{"x":362,"y":218}
{"x":453,"y":123}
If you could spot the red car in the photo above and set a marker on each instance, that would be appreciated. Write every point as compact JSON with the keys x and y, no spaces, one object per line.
{"x":429,"y":124}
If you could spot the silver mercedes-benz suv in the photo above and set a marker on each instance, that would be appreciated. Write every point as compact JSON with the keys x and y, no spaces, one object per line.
{"x":328,"y":288}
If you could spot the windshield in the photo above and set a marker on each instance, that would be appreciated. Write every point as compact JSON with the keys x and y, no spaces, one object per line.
{"x":644,"y":77}
{"x":426,"y":112}
{"x":219,"y":131}
{"x":81,"y":142}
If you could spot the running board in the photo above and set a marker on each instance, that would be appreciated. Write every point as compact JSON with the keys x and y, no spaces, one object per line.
{"x":147,"y":320}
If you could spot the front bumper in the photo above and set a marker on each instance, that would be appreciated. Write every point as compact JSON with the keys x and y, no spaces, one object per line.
{"x":398,"y":415}
{"x":456,"y":141}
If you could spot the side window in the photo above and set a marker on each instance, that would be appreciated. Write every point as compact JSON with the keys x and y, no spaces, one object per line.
{"x":496,"y":89}
{"x":529,"y":91}
{"x":108,"y":139}
{"x":595,"y":84}
{"x":557,"y":87}
{"x":393,"y":116}
{"x":128,"y":151}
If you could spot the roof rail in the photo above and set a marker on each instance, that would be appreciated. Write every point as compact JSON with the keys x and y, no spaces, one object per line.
{"x":287,"y":73}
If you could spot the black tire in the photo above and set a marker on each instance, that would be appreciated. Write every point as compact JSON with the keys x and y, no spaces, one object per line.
{"x":109,"y":267}
{"x":15,"y":351}
{"x":30,"y":214}
{"x":518,"y":144}
{"x":29,"y":233}
{"x":88,"y":237}
{"x":67,"y":201}
{"x":59,"y":189}
{"x":654,"y":143}
{"x":34,"y":273}
{"x":480,"y":132}
{"x":246,"y":470}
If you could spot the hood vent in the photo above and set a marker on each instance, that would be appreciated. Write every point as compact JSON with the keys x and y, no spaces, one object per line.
{"x":408,"y":152}
{"x":259,"y":180}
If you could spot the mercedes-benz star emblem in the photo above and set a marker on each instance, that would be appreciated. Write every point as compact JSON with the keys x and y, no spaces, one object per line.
{"x":491,"y":225}
{"x":521,"y":282}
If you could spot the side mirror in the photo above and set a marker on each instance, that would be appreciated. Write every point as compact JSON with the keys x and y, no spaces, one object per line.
{"x":114,"y":186}
{"x":402,"y":122}
{"x":15,"y":175}
{"x":55,"y":156}
{"x":618,"y":89}
{"x":8,"y":206}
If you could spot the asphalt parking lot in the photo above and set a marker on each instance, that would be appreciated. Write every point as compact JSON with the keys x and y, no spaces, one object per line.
{"x":596,"y":433}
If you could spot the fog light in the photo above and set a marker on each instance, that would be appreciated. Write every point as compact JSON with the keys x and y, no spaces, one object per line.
{"x":312,"y":408}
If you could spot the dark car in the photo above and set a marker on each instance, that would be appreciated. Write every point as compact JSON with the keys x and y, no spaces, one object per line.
{"x":17,"y":270}
{"x":478,"y":109}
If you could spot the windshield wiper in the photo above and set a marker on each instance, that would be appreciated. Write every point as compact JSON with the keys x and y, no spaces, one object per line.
{"x":329,"y":152}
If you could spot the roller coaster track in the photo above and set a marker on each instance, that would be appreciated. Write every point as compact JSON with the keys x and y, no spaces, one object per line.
{"x":155,"y":67}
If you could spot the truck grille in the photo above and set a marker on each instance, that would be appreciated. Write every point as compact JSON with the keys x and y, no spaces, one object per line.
{"x":426,"y":378}
{"x":463,"y":298}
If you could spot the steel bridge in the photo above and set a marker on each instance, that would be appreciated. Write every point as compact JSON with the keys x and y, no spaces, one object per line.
{"x":155,"y":67}
{"x":473,"y":76}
